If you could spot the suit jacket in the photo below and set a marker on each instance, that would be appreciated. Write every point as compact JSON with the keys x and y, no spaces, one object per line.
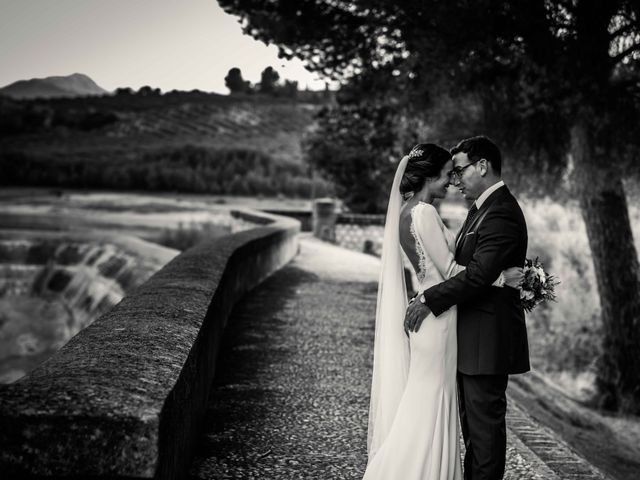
{"x":492,"y":335}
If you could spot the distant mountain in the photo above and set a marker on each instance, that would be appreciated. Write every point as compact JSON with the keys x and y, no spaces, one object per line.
{"x":76,"y":85}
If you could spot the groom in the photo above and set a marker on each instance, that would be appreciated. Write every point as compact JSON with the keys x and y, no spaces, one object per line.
{"x":492,"y":336}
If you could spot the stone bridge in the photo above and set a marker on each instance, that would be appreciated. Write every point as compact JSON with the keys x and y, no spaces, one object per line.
{"x":247,"y":357}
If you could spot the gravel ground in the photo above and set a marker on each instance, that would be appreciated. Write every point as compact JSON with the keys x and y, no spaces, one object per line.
{"x":290,"y":400}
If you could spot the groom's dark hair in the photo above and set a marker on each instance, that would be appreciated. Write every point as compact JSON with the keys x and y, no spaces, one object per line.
{"x":480,"y":147}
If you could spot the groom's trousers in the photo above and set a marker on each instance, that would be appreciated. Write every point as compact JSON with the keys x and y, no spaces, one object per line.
{"x":483,"y":405}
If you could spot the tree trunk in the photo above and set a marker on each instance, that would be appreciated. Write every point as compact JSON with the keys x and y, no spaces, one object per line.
{"x":605,"y":212}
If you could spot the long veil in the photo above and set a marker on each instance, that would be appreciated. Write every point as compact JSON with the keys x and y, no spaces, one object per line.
{"x":391,"y":346}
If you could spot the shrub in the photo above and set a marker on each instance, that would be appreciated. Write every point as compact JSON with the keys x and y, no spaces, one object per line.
{"x":185,"y":169}
{"x":564,"y":336}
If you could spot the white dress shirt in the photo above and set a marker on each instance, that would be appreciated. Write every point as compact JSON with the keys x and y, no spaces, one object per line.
{"x":481,"y":199}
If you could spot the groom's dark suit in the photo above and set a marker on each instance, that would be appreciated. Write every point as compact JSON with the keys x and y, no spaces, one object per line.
{"x":492,"y":336}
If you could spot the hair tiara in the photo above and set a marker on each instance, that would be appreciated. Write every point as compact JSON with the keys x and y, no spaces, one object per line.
{"x":416,"y":152}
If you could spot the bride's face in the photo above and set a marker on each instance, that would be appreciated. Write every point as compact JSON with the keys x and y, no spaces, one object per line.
{"x":438,"y":186}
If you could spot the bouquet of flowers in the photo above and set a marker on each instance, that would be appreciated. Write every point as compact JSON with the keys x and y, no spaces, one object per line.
{"x":537,"y":285}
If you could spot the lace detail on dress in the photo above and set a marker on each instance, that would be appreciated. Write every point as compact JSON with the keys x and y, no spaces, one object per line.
{"x":422,"y":264}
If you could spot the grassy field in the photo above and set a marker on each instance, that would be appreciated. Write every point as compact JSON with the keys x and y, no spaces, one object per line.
{"x":187,"y":142}
{"x":566,"y":335}
{"x":272,"y":126}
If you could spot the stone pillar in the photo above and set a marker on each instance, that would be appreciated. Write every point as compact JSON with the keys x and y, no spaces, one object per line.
{"x":324,"y":219}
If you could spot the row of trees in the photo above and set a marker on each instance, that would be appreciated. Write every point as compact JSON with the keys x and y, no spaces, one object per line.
{"x":269,"y":84}
{"x":145,"y":91}
{"x":555,"y":82}
{"x":183,"y":169}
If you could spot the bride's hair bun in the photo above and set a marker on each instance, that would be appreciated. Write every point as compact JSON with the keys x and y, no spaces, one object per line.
{"x":425,"y":161}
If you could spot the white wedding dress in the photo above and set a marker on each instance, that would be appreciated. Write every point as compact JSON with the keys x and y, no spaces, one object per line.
{"x":422,"y":442}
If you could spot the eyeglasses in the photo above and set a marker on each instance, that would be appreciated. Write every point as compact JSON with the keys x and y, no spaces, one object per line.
{"x":458,"y":171}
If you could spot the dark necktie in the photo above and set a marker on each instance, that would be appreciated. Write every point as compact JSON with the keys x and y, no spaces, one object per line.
{"x":465,"y":226}
{"x":472,"y":213}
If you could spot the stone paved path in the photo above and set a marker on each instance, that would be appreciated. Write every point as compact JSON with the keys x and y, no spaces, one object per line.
{"x":290,"y":400}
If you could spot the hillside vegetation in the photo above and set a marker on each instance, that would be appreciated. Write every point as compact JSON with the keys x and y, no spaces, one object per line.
{"x":180,"y":141}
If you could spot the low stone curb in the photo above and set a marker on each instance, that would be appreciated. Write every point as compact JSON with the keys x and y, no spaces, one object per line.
{"x":550,"y":452}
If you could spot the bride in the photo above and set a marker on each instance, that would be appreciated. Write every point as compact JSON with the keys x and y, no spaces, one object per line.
{"x":413,"y":418}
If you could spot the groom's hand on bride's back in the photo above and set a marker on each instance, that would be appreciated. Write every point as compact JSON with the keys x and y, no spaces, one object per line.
{"x":416,"y":313}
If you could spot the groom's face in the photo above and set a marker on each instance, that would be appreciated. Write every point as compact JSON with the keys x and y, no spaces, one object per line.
{"x":469,"y":181}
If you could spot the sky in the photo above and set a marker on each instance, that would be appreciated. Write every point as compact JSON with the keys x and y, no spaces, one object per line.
{"x":170,"y":44}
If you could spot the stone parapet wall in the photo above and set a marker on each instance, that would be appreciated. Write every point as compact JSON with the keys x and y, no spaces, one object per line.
{"x":360,"y":238}
{"x":124,"y":398}
{"x":363,"y":219}
{"x":360,"y":232}
{"x":365,"y":232}
{"x":303,"y":216}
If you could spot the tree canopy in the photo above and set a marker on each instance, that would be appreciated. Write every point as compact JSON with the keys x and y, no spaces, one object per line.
{"x":528,"y":65}
{"x":269,"y":80}
{"x":235,"y":83}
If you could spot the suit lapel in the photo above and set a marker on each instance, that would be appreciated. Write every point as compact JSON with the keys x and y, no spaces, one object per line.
{"x":499,"y":193}
{"x":462,"y":229}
